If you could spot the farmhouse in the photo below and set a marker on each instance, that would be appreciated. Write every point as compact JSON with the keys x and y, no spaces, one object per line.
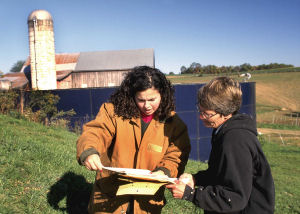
{"x":46,"y":70}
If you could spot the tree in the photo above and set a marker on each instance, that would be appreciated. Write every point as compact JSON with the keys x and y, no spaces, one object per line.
{"x":245,"y":67}
{"x":183,"y":69}
{"x":210,"y":69}
{"x":17,"y":66}
{"x":194,"y":67}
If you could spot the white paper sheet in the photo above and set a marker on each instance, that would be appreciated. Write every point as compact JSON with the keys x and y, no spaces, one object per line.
{"x":141,"y":174}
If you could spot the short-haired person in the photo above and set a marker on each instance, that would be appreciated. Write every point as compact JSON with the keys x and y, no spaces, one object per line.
{"x":238,"y":178}
{"x":137,"y":128}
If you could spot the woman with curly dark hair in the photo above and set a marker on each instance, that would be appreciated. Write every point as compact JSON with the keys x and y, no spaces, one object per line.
{"x":137,"y":128}
{"x":141,"y":79}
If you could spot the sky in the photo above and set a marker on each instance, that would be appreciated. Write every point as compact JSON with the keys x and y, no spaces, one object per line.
{"x":209,"y":32}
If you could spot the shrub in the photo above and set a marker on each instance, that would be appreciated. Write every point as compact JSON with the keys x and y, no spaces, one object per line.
{"x":41,"y":107}
{"x":8,"y":101}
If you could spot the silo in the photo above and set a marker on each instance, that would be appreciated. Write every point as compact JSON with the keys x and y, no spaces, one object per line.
{"x":42,"y":51}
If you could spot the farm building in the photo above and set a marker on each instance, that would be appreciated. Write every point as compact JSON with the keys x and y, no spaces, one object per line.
{"x":46,"y":70}
{"x":85,"y":69}
{"x":107,"y":68}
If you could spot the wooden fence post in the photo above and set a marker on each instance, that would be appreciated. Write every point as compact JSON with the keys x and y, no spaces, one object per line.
{"x":22,"y":101}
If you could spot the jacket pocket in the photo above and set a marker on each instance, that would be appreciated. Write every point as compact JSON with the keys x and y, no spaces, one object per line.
{"x":154,"y":148}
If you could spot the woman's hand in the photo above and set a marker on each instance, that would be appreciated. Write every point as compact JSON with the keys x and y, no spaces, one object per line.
{"x":178,"y":188}
{"x":187,"y":179}
{"x":93,"y":163}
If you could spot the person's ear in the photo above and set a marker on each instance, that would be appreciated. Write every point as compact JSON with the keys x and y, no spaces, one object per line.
{"x":227,"y":117}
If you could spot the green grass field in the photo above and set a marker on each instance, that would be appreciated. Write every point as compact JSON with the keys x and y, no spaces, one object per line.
{"x":39,"y":172}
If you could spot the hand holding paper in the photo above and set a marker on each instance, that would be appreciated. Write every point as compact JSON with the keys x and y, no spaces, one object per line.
{"x":187,"y":179}
{"x":178,"y":188}
{"x":93,"y":163}
{"x":140,"y":181}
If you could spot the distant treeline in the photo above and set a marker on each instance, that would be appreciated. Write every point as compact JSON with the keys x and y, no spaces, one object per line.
{"x":197,"y":68}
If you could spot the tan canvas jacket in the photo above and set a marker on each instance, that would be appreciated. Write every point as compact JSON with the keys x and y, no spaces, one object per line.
{"x":165,"y":144}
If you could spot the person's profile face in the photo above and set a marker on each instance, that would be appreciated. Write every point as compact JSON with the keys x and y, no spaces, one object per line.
{"x":148,"y":101}
{"x":210,"y":118}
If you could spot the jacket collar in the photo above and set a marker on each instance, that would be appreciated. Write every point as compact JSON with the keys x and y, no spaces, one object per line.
{"x":137,"y":120}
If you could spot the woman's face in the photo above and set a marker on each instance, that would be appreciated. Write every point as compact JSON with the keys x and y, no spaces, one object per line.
{"x":148,"y":101}
{"x":212,"y":119}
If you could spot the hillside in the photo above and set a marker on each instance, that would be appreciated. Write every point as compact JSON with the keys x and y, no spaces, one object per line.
{"x":39,"y":172}
{"x":272,"y":89}
{"x":277,"y":103}
{"x":278,"y":89}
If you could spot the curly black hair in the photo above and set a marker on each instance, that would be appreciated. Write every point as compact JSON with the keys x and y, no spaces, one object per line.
{"x":140,"y":79}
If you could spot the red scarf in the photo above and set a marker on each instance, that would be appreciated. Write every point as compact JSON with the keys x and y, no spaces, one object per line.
{"x":147,"y":118}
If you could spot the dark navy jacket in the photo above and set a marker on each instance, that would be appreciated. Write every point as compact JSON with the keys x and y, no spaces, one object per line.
{"x":238,"y":178}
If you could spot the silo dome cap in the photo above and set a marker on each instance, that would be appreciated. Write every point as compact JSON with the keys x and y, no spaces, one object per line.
{"x":40,"y":15}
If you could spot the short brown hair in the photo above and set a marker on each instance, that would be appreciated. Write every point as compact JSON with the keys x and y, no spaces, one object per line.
{"x":222,"y":95}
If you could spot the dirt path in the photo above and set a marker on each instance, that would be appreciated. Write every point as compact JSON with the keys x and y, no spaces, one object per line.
{"x":278,"y":131}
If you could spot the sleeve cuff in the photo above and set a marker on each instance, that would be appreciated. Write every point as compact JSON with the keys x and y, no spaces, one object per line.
{"x":188,"y":193}
{"x":85,"y":154}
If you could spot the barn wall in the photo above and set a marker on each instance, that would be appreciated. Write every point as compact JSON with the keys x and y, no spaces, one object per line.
{"x":97,"y":79}
{"x":65,"y":83}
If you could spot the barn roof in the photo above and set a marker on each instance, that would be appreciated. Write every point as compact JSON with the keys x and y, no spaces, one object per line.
{"x":65,"y":64}
{"x":66,"y":58}
{"x":114,"y":60}
{"x":64,"y":61}
{"x":18,"y":80}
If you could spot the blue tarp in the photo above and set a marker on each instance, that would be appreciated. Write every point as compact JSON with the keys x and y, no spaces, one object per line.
{"x":86,"y":103}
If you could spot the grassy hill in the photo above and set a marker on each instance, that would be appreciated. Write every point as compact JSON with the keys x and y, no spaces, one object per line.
{"x":280,"y":90}
{"x":39,"y":173}
{"x":34,"y":160}
{"x":277,"y":102}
